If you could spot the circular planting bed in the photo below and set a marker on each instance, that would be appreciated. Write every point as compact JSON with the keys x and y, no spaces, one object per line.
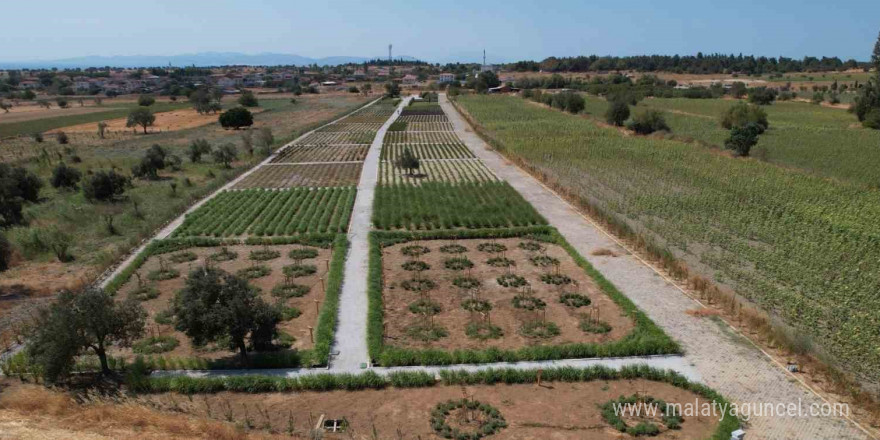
{"x":418,"y":285}
{"x":458,"y":263}
{"x":528,"y":303}
{"x":500,"y":262}
{"x":299,"y":270}
{"x":290,"y":290}
{"x":183,"y":257}
{"x":646,"y":426}
{"x":415,"y":266}
{"x":543,"y":260}
{"x":483,"y":331}
{"x":426,"y":332}
{"x":414,"y":250}
{"x":144,"y":293}
{"x":453,"y":249}
{"x":224,"y":255}
{"x":492,"y":248}
{"x":163,"y":274}
{"x":539,"y":330}
{"x":264,"y":254}
{"x":302,"y":254}
{"x":555,"y":279}
{"x":466,"y":419}
{"x":155,"y":344}
{"x":597,"y":327}
{"x":531,"y":246}
{"x":476,"y":305}
{"x":466,"y":282}
{"x":511,"y":280}
{"x":574,"y":300}
{"x":254,"y":272}
{"x":425,"y":307}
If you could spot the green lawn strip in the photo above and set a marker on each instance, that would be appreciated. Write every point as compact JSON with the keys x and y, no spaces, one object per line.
{"x":325,"y":329}
{"x":645,"y":339}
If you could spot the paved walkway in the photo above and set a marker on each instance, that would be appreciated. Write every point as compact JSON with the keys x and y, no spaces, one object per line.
{"x":726,"y":361}
{"x":349,"y":351}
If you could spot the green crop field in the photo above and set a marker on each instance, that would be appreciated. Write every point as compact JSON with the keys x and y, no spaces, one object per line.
{"x":442,"y":205}
{"x":114,"y":111}
{"x":803,"y":247}
{"x":263,"y":212}
{"x":823,"y":141}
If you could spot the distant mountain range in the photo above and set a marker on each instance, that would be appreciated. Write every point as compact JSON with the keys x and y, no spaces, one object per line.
{"x":201,"y":59}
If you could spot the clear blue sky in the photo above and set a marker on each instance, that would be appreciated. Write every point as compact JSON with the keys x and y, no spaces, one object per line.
{"x":439,"y":30}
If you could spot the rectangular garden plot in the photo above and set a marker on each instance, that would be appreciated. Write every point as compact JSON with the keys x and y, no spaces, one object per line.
{"x":444,"y":205}
{"x":449,"y":170}
{"x":351,"y":127}
{"x":423,"y":118}
{"x":292,"y":175}
{"x":429,"y":126}
{"x":271,"y":213}
{"x":488,"y":300}
{"x":409,"y":137}
{"x":338,"y":138}
{"x":292,"y":279}
{"x":455,"y":150}
{"x":564,"y":404}
{"x":322,"y":153}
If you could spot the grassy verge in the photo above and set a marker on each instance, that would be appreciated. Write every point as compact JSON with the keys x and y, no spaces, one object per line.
{"x":645,"y":339}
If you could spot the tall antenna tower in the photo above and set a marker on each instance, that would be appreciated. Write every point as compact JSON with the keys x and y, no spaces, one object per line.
{"x":389,"y":53}
{"x":484,"y":57}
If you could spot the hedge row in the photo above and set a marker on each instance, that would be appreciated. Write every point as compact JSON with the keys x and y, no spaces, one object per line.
{"x":645,"y":339}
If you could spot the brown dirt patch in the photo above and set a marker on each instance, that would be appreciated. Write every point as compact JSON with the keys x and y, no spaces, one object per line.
{"x":165,"y":121}
{"x":503,"y":314}
{"x":32,"y":113}
{"x":297,"y":327}
{"x":552,"y":410}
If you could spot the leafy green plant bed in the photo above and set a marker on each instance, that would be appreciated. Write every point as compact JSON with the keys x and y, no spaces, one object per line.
{"x":288,"y":313}
{"x":543,"y":260}
{"x":574,"y":300}
{"x":511,"y":280}
{"x":492,"y":248}
{"x":424,"y":307}
{"x":486,"y":419}
{"x":415,"y":251}
{"x":224,"y":255}
{"x":530,"y":246}
{"x":611,"y":409}
{"x":539,"y":330}
{"x":528,"y":303}
{"x":290,"y":290}
{"x":483,"y":331}
{"x":254,"y":272}
{"x":500,"y":262}
{"x":299,"y":270}
{"x":600,"y":327}
{"x":418,"y":285}
{"x":458,"y":263}
{"x":453,"y":249}
{"x":144,"y":293}
{"x":426,"y":332}
{"x":466,"y":282}
{"x":155,"y":345}
{"x":163,"y":274}
{"x":302,"y":254}
{"x":264,"y":254}
{"x":555,"y":279}
{"x":415,"y":266}
{"x":476,"y":305}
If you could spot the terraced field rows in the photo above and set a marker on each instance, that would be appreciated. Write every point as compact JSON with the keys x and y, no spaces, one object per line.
{"x":391,"y":152}
{"x":449,"y":170}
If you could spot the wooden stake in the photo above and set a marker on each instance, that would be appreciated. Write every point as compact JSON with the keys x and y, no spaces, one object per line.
{"x":311,"y":335}
{"x":317,"y":307}
{"x":540,"y":372}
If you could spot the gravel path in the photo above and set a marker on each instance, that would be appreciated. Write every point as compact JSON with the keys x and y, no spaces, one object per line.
{"x":349,"y":351}
{"x":725,"y":360}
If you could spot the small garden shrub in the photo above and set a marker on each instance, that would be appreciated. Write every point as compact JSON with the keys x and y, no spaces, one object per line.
{"x":415,"y":266}
{"x":574,"y":300}
{"x":183,"y":257}
{"x":543,"y":260}
{"x":415,"y":285}
{"x":163,"y":274}
{"x":528,"y":303}
{"x":511,"y":280}
{"x":476,"y":305}
{"x":264,"y":254}
{"x":426,"y":332}
{"x":288,"y":313}
{"x":290,"y":290}
{"x":414,"y":250}
{"x":612,"y":417}
{"x":425,"y":307}
{"x":144,"y":293}
{"x":459,"y":263}
{"x":531,"y":246}
{"x":303,"y":254}
{"x":254,"y":272}
{"x":500,"y":262}
{"x":600,"y":327}
{"x":466,"y":282}
{"x":224,"y":255}
{"x":492,"y":248}
{"x":483,"y":331}
{"x":539,"y":330}
{"x":300,"y":270}
{"x":556,"y":279}
{"x":490,"y":421}
{"x":453,"y":249}
{"x":155,"y":344}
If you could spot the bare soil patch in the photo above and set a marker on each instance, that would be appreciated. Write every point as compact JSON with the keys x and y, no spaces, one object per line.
{"x":504,"y":313}
{"x":552,"y":410}
{"x":165,"y":121}
{"x":296,"y":327}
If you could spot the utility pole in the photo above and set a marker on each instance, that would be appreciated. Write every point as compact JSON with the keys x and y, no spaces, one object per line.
{"x":484,"y":57}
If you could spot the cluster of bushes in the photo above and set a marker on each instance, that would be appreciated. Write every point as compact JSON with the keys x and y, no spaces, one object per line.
{"x":644,"y":122}
{"x":568,"y":101}
{"x":745,"y":122}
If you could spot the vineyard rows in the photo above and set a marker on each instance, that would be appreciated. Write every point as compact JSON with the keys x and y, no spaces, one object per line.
{"x":423,"y":118}
{"x":423,"y":108}
{"x":338,"y":138}
{"x":322,"y":153}
{"x":351,"y":127}
{"x":449,"y":170}
{"x":428,"y":126}
{"x":292,"y":175}
{"x":403,"y":137}
{"x":428,"y":151}
{"x":267,"y":212}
